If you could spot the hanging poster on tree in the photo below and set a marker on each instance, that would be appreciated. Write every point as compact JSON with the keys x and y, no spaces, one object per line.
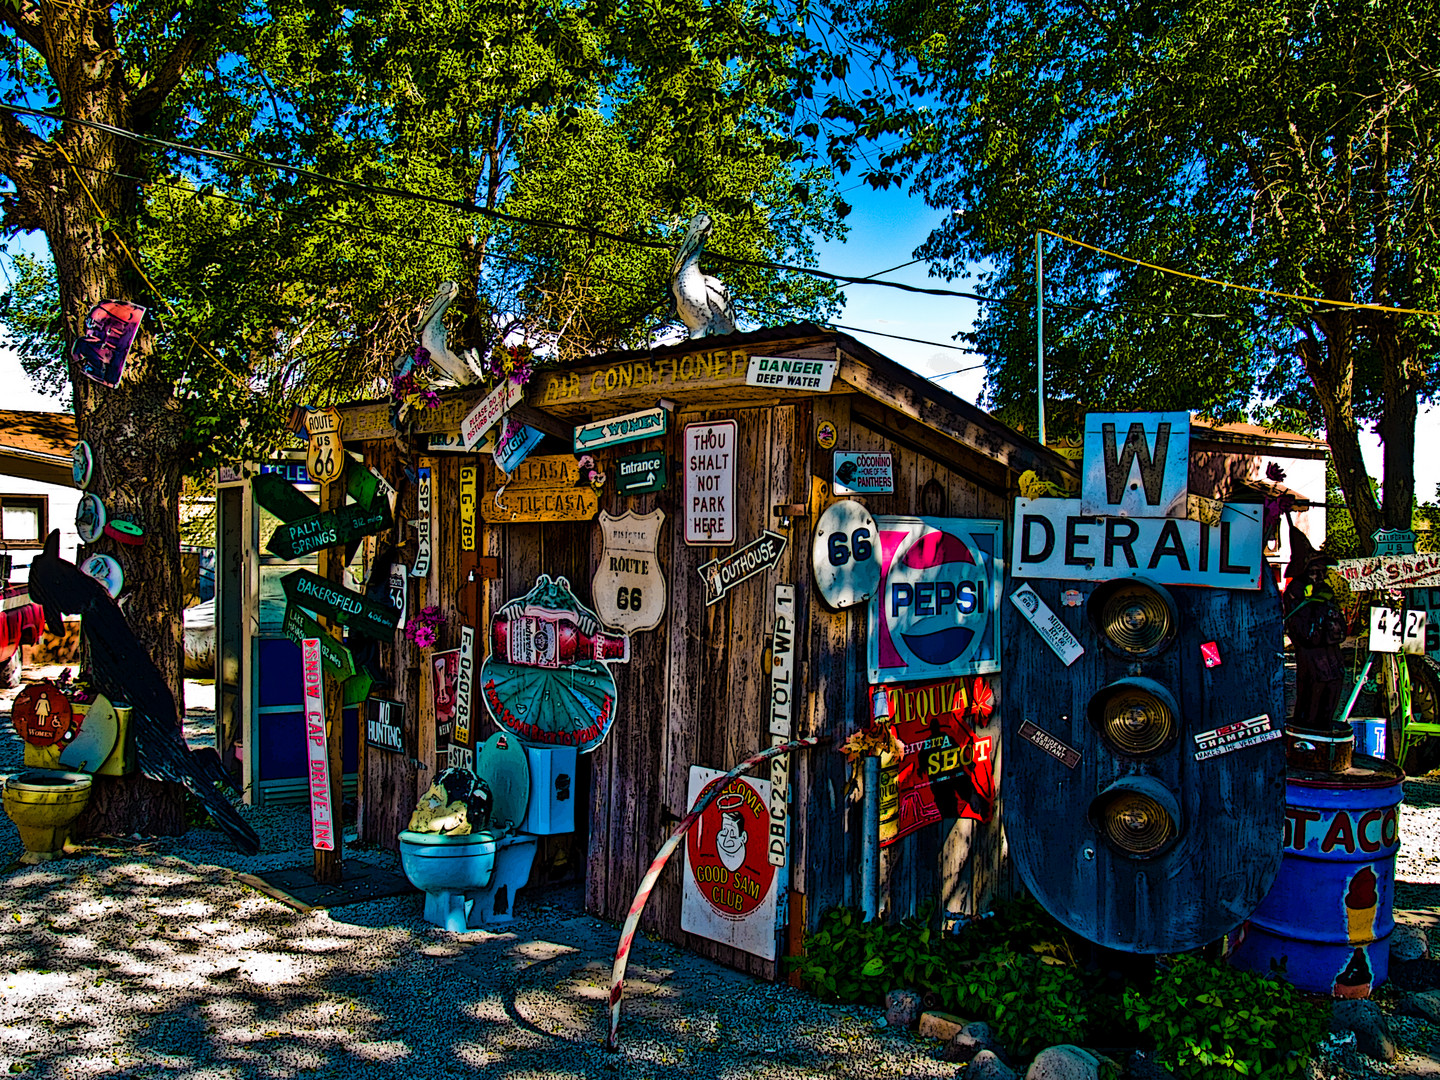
{"x":546,"y":678}
{"x":935,"y":614}
{"x":729,"y":885}
{"x":947,"y":769}
{"x":110,"y":330}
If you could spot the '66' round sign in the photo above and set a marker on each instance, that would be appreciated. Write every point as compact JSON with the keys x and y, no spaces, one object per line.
{"x":844,"y":554}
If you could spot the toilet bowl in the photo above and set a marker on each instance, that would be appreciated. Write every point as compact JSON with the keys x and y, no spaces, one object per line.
{"x":42,"y":804}
{"x":471,"y":881}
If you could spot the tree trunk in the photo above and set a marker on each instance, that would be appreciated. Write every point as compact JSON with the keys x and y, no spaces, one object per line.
{"x":135,"y":431}
{"x":1399,"y":410}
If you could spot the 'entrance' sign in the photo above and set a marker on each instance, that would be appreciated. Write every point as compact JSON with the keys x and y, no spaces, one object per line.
{"x":640,"y":474}
{"x":709,"y":508}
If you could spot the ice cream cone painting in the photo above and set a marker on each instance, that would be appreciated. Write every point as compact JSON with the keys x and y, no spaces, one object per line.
{"x":1361,"y":904}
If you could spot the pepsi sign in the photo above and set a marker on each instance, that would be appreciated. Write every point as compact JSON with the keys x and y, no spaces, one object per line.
{"x":936,"y":612}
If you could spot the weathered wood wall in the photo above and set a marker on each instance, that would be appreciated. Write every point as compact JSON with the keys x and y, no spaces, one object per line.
{"x":695,"y":691}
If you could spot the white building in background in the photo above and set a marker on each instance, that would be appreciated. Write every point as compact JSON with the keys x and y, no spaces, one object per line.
{"x":37,"y":490}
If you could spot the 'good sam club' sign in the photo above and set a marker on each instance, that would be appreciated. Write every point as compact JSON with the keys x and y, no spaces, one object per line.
{"x":935,"y":614}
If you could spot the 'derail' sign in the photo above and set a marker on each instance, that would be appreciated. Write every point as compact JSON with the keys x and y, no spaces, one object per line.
{"x":729,"y":884}
{"x":1055,"y":538}
{"x":935,"y":614}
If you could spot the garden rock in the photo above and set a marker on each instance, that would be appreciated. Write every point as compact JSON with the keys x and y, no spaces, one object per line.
{"x":1408,"y":943}
{"x":969,"y":1041}
{"x":1424,"y":1004}
{"x":1372,"y":1031}
{"x":1065,"y":1062}
{"x":1142,"y":1066}
{"x":987,"y":1066}
{"x":941,"y":1025}
{"x":902,"y":1008}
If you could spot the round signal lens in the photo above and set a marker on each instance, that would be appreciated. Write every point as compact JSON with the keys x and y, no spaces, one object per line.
{"x":1134,"y":822}
{"x":1134,"y":618}
{"x":1135,"y":720}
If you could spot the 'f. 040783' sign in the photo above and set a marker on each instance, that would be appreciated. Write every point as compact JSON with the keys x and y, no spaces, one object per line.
{"x":1054,"y":538}
{"x":709,"y":451}
{"x":935,"y":614}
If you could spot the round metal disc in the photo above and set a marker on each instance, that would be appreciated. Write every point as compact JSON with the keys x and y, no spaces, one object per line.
{"x":845,"y":554}
{"x":105,"y":570}
{"x":82,"y":464}
{"x":90,"y":518}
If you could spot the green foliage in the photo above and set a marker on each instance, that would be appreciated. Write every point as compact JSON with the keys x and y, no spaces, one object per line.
{"x":1018,"y":971}
{"x":1210,"y":1022}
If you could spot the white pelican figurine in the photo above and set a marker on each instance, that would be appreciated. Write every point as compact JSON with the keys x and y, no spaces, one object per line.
{"x":702,"y":302}
{"x":450,"y":369}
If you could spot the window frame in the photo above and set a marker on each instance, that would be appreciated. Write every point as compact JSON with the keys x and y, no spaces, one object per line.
{"x":38,"y":502}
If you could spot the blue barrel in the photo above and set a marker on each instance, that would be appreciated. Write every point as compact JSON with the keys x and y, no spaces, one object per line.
{"x":1369,"y":735}
{"x":1328,"y":917}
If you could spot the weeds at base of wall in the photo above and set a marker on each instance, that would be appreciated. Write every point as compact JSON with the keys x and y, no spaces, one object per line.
{"x":1037,"y":985}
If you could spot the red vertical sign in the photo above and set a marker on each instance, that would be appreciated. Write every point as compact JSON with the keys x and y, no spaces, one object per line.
{"x":321,"y":826}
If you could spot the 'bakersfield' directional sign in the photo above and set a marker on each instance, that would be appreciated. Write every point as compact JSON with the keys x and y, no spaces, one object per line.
{"x":351,"y":609}
{"x":621,"y":429}
{"x":310,"y":534}
{"x":723,"y":574}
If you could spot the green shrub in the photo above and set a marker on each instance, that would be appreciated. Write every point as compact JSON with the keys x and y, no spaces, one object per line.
{"x":1209,"y":1022}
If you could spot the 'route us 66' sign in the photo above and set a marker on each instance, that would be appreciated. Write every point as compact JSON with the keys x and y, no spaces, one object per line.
{"x":630,"y":591}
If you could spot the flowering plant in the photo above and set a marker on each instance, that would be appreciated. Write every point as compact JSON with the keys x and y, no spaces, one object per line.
{"x":423,"y":628}
{"x":80,"y":689}
{"x":516,"y":362}
{"x":410,"y":388}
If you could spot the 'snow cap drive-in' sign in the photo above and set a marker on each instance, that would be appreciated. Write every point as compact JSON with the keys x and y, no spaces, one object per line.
{"x":935,"y":614}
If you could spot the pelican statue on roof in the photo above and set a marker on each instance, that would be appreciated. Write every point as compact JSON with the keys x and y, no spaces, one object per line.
{"x":450,"y":369}
{"x":702,"y":302}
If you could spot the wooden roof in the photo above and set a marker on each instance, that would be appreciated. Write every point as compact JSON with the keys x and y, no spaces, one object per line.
{"x":36,"y":445}
{"x":711,"y":371}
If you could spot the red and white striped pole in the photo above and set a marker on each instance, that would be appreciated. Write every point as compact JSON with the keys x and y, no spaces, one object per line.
{"x":647,"y":883}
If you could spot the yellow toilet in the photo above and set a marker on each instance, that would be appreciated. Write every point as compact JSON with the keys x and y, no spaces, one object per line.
{"x":43,"y":803}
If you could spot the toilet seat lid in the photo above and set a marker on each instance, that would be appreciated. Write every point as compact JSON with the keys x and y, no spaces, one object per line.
{"x":501,"y":762}
{"x":99,"y":731}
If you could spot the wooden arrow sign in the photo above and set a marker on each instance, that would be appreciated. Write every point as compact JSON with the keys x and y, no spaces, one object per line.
{"x":334,"y":657}
{"x":722,"y":575}
{"x":307,"y":535}
{"x":282,"y":498}
{"x":348,"y":608}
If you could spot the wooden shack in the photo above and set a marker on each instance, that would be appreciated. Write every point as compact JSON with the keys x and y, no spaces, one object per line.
{"x":694,"y":691}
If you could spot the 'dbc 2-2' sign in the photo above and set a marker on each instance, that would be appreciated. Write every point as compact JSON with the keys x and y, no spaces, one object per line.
{"x":935,"y":613}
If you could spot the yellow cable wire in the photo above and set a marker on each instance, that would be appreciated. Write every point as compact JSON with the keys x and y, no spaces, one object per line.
{"x":1232,"y":285}
{"x":125,"y":248}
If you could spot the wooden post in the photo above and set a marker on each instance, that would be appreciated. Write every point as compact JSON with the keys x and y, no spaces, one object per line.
{"x":329,"y":865}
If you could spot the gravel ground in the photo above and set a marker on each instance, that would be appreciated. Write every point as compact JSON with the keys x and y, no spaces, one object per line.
{"x":146,"y":957}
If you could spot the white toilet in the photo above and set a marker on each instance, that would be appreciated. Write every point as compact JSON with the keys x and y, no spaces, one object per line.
{"x":471,"y":881}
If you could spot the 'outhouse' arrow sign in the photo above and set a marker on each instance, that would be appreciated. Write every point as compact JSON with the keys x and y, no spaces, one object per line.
{"x":339,"y":603}
{"x":310,"y":534}
{"x":721,"y":575}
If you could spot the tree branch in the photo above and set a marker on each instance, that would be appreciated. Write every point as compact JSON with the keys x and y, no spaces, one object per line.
{"x":24,"y":19}
{"x":21,"y":150}
{"x":148,"y":98}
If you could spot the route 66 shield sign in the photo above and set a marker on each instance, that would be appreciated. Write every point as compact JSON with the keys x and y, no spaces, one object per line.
{"x":324,"y":459}
{"x":630,"y":591}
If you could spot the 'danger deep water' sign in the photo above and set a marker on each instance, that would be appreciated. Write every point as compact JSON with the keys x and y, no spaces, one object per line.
{"x":935,"y":614}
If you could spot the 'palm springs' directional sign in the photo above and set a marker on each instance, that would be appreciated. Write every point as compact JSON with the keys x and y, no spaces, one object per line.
{"x":307,"y":535}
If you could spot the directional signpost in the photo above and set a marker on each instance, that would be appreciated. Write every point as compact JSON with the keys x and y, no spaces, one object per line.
{"x":299,"y":627}
{"x":282,"y":498}
{"x":307,"y":535}
{"x":621,"y":429}
{"x":340,"y":604}
{"x":723,"y":574}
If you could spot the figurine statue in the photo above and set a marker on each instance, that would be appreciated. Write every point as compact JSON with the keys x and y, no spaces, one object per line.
{"x":1316,"y":627}
{"x":702,"y":302}
{"x":452,"y":369}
